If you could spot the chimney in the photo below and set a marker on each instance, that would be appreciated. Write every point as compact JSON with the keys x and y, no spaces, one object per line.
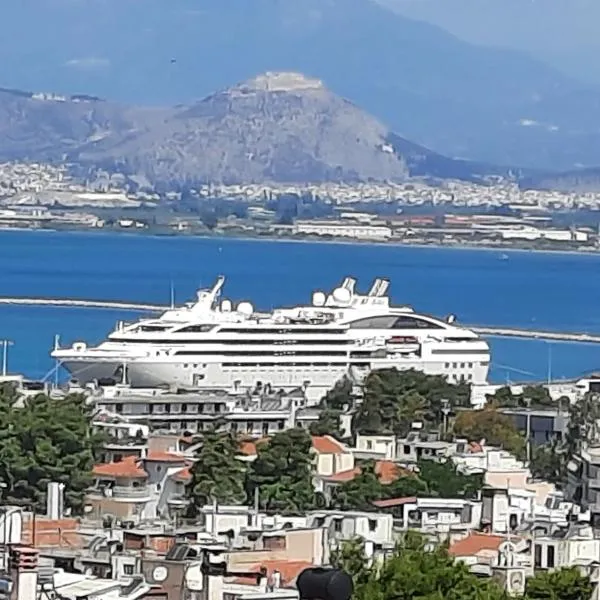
{"x":276,"y":579}
{"x":23,"y":566}
{"x":55,"y":501}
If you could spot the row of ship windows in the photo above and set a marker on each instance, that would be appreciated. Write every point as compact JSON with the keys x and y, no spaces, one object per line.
{"x":381,"y":322}
{"x":455,"y":365}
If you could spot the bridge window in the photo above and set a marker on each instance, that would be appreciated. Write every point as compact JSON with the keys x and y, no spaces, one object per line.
{"x":406,"y":322}
{"x":386,"y":322}
{"x":150,"y":328}
{"x":195,"y":329}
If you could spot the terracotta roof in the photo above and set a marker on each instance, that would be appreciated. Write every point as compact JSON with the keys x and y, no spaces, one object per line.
{"x":325,"y":444}
{"x":289,"y":570}
{"x":159,"y":456}
{"x":391,"y":502}
{"x":475,"y":448}
{"x":248,"y":448}
{"x":52,"y":533}
{"x":183,"y":475}
{"x":475,"y":543}
{"x":128,"y":467}
{"x":387,"y":471}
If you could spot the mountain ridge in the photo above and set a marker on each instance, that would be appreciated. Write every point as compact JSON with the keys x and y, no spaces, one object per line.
{"x":277,"y":126}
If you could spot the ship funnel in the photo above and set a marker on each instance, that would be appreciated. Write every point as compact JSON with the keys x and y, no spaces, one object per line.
{"x":349,"y":284}
{"x":379,"y":288}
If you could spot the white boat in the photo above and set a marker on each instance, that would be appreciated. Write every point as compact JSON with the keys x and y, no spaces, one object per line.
{"x":214,"y":344}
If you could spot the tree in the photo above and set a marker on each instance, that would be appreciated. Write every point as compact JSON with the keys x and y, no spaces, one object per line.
{"x":360,"y":492}
{"x":548,"y":462}
{"x":217,"y":473}
{"x":393,"y":399}
{"x":562,"y":584}
{"x":339,"y":397}
{"x":413,"y":572}
{"x":43,"y":440}
{"x":329,"y":423}
{"x":443,"y":480}
{"x":282,"y":473}
{"x":494,"y":427}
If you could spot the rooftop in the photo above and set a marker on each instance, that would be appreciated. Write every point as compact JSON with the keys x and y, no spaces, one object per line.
{"x":128,"y":467}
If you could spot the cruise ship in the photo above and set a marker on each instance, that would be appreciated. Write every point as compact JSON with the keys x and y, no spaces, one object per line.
{"x":213,"y":344}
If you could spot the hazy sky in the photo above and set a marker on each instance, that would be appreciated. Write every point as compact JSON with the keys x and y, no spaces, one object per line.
{"x":564,"y":33}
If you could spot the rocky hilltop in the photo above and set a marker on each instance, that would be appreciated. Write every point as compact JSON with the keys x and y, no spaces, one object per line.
{"x":276,"y":127}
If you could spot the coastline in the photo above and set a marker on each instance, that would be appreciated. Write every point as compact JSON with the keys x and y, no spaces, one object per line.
{"x":500,"y":248}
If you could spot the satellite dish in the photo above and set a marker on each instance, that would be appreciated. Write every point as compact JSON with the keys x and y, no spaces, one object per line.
{"x":451,"y":319}
{"x":245,"y":308}
{"x":318,"y":299}
{"x":342,"y":296}
{"x":226,"y":306}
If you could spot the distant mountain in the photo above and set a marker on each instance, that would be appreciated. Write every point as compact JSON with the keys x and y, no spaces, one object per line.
{"x":580,"y":180}
{"x":459,"y":99}
{"x":275,"y":127}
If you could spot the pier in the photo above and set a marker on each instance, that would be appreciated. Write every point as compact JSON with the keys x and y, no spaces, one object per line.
{"x":556,"y":336}
{"x":68,"y":302}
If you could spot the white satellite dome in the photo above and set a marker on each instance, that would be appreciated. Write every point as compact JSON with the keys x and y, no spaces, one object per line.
{"x":245,"y":308}
{"x":318,"y":299}
{"x":226,"y":306}
{"x":342,"y":296}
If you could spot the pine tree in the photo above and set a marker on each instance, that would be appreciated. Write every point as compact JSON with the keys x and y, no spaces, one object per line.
{"x":43,"y":439}
{"x":282,"y":473}
{"x":217,"y":475}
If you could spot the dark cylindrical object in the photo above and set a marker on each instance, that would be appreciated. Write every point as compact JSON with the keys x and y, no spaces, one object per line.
{"x":317,"y":583}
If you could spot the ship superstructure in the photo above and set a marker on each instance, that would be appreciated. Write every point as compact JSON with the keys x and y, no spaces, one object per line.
{"x":213,"y":344}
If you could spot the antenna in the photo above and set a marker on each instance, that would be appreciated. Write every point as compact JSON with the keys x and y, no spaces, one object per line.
{"x":172,"y":294}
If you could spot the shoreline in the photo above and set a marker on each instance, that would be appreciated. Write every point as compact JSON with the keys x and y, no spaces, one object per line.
{"x":501,"y":249}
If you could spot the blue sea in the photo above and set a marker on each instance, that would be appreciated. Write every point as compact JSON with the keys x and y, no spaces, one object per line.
{"x":536,"y":290}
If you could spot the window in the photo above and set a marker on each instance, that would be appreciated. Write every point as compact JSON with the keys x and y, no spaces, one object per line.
{"x":337,"y":525}
{"x":550,"y":557}
{"x":369,"y":445}
{"x":195,"y":329}
{"x":127,"y":569}
{"x":372,"y":525}
{"x":386,"y":322}
{"x":537,"y":555}
{"x":406,"y":322}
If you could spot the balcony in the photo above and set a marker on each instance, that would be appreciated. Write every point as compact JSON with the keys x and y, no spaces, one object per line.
{"x":122,"y":493}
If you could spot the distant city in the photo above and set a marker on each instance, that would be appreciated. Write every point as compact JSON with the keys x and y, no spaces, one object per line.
{"x":494,"y":213}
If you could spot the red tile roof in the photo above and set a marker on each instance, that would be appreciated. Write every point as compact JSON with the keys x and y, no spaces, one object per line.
{"x":159,"y":456}
{"x":475,"y":543}
{"x":289,"y":570}
{"x":128,"y":467}
{"x":183,"y":475}
{"x":325,"y":444}
{"x":387,"y":471}
{"x":391,"y":502}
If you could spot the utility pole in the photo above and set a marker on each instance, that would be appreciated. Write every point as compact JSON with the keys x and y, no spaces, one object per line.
{"x":528,"y":438}
{"x":5,"y":346}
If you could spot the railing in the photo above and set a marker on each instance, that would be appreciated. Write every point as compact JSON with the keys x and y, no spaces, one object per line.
{"x":121,"y":492}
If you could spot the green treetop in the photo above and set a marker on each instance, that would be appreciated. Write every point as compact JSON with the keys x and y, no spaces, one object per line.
{"x":283,"y":472}
{"x":43,"y":439}
{"x":562,"y":584}
{"x":393,"y":399}
{"x":217,"y":475}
